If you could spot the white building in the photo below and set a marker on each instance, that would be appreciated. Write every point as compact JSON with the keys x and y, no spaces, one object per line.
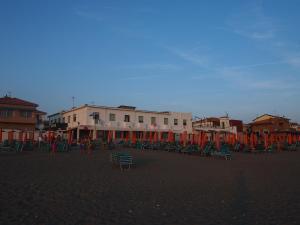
{"x":218,"y":124}
{"x":124,"y":120}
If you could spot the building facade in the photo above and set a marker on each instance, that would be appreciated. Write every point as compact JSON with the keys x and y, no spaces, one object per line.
{"x":215,"y":124}
{"x":17,"y":117}
{"x":124,"y":120}
{"x":56,"y":121}
{"x":268,"y":123}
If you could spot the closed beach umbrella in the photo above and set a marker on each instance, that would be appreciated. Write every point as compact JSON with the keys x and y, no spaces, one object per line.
{"x":155,"y":137}
{"x":10,"y":136}
{"x":127,"y":136}
{"x":194,"y":139}
{"x":49,"y":136}
{"x":272,"y":139}
{"x":252,"y":140}
{"x":245,"y":139}
{"x":255,"y":139}
{"x":0,"y":135}
{"x":133,"y":137}
{"x":266,"y":137}
{"x":169,"y":136}
{"x":150,"y":137}
{"x":204,"y":140}
{"x":199,"y":139}
{"x":21,"y":136}
{"x":290,"y":140}
{"x":217,"y":140}
{"x":294,"y":138}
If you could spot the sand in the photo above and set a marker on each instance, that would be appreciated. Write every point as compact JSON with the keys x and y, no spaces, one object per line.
{"x":163,"y":188}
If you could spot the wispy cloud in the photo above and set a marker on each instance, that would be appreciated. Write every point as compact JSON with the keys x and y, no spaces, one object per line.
{"x":88,"y":15}
{"x":247,"y":80}
{"x":154,"y":66}
{"x":190,"y":56}
{"x":252,"y":23}
{"x":256,"y":65}
{"x":139,"y":77}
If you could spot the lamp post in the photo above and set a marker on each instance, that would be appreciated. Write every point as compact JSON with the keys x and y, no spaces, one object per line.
{"x":78,"y":131}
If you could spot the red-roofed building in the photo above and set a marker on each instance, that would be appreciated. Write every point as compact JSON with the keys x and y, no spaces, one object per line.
{"x":269,"y":123}
{"x":17,"y":114}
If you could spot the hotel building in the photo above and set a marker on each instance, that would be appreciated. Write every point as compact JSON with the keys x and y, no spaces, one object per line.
{"x":124,"y":121}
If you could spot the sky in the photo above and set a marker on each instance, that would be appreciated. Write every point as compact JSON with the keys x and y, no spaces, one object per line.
{"x":206,"y":57}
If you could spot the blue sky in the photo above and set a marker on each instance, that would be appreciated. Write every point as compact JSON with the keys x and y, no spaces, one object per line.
{"x":204,"y":57}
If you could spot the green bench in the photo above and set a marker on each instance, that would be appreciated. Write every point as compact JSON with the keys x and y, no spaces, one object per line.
{"x":122,"y":159}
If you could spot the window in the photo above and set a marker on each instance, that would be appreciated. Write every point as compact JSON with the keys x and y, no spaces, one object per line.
{"x":6,"y":113}
{"x":74,"y":117}
{"x":63,"y":119}
{"x":223,"y":125}
{"x":184,"y":122}
{"x":127,"y":118}
{"x":112,"y":117}
{"x":153,"y":121}
{"x":26,"y":114}
{"x":141,"y":119}
{"x":166,"y":121}
{"x":175,"y":122}
{"x":69,"y":119}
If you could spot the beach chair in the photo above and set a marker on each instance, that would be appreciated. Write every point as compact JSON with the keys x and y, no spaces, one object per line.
{"x":297,"y":145}
{"x":237,"y":147}
{"x":18,"y":147}
{"x":246,"y":149}
{"x":125,"y":161}
{"x":272,"y":148}
{"x":223,"y":153}
{"x":259,"y":148}
{"x":28,"y":146}
{"x":45,"y":146}
{"x":209,"y":149}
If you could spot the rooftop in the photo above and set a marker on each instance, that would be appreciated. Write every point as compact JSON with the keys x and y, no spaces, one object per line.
{"x":6,"y":100}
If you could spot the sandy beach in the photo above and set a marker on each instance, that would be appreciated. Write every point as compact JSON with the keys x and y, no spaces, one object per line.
{"x":163,"y":188}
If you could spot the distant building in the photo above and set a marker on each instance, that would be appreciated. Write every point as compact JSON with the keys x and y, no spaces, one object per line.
{"x":295,"y":126}
{"x":221,"y":124}
{"x":124,"y":120}
{"x":19,"y":115}
{"x":267,"y":123}
{"x":57,"y":121}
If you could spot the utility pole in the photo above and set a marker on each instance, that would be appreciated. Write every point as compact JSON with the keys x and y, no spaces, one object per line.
{"x":73,"y":101}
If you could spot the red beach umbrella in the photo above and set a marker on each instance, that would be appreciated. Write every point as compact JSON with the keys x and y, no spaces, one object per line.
{"x":150,"y":137}
{"x":127,"y":136}
{"x":21,"y":136}
{"x":252,"y":140}
{"x":290,"y":140}
{"x":133,"y":137}
{"x":10,"y":136}
{"x":266,"y":137}
{"x":217,"y":140}
{"x":204,"y":140}
{"x":199,"y":139}
{"x":294,"y":138}
{"x":155,"y":138}
{"x":245,"y":139}
{"x":0,"y":135}
{"x":169,"y":136}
